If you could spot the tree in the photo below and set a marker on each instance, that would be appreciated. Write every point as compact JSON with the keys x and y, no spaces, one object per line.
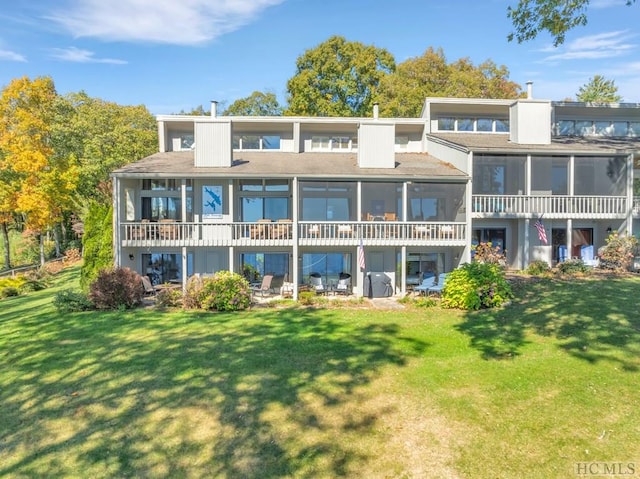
{"x":42,"y":182}
{"x":402,"y":93}
{"x":598,"y":89}
{"x":256,"y":104}
{"x":557,"y":17}
{"x":338,"y":78}
{"x":102,"y":136}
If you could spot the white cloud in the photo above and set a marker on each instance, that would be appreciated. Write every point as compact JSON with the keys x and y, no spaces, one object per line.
{"x":185,"y":22}
{"x":77,"y":55}
{"x":603,"y":45}
{"x":7,"y":55}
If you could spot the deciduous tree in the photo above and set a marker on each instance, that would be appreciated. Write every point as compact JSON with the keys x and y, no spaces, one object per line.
{"x":338,"y":78}
{"x":256,"y":104}
{"x":402,"y":94}
{"x":557,"y":17}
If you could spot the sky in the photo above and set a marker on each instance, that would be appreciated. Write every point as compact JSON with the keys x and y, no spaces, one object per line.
{"x":173,"y":56}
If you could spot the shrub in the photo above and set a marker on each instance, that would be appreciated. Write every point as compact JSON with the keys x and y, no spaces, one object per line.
{"x":425,"y":302}
{"x":69,"y":301}
{"x":36,"y":279}
{"x":8,"y":291}
{"x":192,"y":298}
{"x":116,"y":288}
{"x":619,"y":252}
{"x":538,"y":268}
{"x":486,"y":253}
{"x":97,"y":242}
{"x":572,"y":267}
{"x":226,"y":291}
{"x":476,"y":285}
{"x":306,"y":298}
{"x":169,"y":298}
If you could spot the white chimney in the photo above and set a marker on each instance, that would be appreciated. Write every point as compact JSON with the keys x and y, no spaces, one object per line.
{"x":529,"y":90}
{"x":375,"y":111}
{"x":214,"y":108}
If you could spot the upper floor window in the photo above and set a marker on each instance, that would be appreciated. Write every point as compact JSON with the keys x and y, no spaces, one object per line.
{"x":256,"y":142}
{"x":481,"y":124}
{"x":165,"y":184}
{"x":333,"y":143}
{"x":616,"y":128}
{"x":401,"y":142}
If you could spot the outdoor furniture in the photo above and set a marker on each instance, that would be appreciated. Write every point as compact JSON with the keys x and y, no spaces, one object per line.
{"x":439,"y":285}
{"x":428,"y":280}
{"x":282,"y":229}
{"x":344,"y":284}
{"x":315,"y":281}
{"x":149,"y":290}
{"x":344,"y":231}
{"x":586,"y":254}
{"x":265,"y":286}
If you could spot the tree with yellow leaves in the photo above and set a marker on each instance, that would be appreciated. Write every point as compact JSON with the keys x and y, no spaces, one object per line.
{"x":41,"y":181}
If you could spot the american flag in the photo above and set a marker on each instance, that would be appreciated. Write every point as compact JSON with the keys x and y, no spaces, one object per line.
{"x":361,"y":262}
{"x":542,"y":234}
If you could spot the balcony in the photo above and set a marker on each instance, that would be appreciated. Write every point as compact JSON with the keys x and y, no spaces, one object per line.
{"x":309,"y":233}
{"x":552,"y":206}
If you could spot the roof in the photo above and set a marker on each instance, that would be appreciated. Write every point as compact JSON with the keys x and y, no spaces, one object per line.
{"x":479,"y":142}
{"x":286,"y":165}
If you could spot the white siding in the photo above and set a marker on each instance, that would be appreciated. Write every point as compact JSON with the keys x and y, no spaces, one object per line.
{"x":213,"y":143}
{"x":530,"y":122}
{"x":376,"y":145}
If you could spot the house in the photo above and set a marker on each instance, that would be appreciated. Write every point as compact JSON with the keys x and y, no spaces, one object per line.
{"x":293,"y":196}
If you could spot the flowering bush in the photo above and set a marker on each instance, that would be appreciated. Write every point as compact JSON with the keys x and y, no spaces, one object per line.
{"x":619,"y":252}
{"x":476,"y":285}
{"x":487,"y":253}
{"x":572,"y":266}
{"x":538,"y":268}
{"x":225,"y":291}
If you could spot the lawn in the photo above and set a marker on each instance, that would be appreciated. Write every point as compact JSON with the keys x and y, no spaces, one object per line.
{"x":527,"y":391}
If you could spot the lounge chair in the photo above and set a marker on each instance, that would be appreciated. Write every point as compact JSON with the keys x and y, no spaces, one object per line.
{"x":439,"y":285}
{"x":428,"y":280}
{"x":149,"y":290}
{"x":265,"y":286}
{"x":586,"y":253}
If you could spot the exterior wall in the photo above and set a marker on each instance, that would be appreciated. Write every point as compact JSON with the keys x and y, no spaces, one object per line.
{"x":376,"y":145}
{"x":530,"y":122}
{"x":213,"y":143}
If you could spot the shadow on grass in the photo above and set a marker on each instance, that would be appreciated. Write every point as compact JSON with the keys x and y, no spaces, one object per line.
{"x":592,"y":319}
{"x":258,"y":394}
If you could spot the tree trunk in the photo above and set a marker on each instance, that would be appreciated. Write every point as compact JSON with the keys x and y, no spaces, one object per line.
{"x":56,"y":240}
{"x":5,"y":240}
{"x":42,"y":258}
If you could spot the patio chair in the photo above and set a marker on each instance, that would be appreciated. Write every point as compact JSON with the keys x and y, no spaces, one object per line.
{"x":586,"y":253}
{"x":315,"y":281}
{"x":265,"y":286}
{"x":562,"y":253}
{"x":149,"y":290}
{"x":439,"y":285}
{"x":344,"y":284}
{"x":428,"y":280}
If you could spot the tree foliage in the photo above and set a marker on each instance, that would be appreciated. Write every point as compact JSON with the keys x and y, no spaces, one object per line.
{"x":102,"y":136}
{"x":97,"y":242}
{"x":599,"y":89}
{"x":402,"y":93}
{"x":338,"y":78}
{"x":256,"y":104}
{"x":557,"y":17}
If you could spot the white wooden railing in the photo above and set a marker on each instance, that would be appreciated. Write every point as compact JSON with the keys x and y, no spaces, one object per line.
{"x":282,"y":233}
{"x":550,"y":205}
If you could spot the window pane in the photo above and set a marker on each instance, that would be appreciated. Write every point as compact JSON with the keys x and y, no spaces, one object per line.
{"x":250,"y":185}
{"x":620,"y":128}
{"x":252,"y":209}
{"x":250,"y":142}
{"x":634,"y":128}
{"x":465,"y":124}
{"x":340,"y":143}
{"x":603,"y":128}
{"x":584,"y":128}
{"x":446,"y":124}
{"x":320,"y":142}
{"x":566,"y":128}
{"x":276,"y":208}
{"x":271,"y":142}
{"x":485,"y":124}
{"x":276,"y":185}
{"x":502,"y":126}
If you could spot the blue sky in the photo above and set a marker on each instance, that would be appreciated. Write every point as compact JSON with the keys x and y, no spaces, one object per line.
{"x":175,"y":55}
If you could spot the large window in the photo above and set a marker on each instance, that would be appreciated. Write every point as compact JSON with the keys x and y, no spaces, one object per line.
{"x":161,"y":199}
{"x":497,"y":125}
{"x":256,"y":265}
{"x":327,"y":201}
{"x":165,"y":267}
{"x":499,"y":175}
{"x":327,"y":265}
{"x":495,"y":236}
{"x":381,"y":201}
{"x":549,"y":175}
{"x":333,"y":143}
{"x":600,"y":176}
{"x":264,"y":199}
{"x":434,"y":201}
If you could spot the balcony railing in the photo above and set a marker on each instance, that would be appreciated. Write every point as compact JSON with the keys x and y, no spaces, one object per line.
{"x":552,"y":206}
{"x":282,"y":233}
{"x":636,"y":205}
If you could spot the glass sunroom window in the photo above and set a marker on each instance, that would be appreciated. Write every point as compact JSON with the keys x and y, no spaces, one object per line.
{"x":327,"y":201}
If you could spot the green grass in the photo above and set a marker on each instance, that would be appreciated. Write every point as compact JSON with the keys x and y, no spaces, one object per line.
{"x":526,"y":391}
